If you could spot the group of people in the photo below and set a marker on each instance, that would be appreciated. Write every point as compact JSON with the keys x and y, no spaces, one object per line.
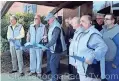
{"x":37,"y":34}
{"x":96,"y":46}
{"x":93,"y":50}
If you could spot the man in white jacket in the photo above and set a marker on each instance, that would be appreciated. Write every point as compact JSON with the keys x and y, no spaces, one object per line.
{"x":89,"y":49}
{"x":76,"y":25}
{"x":37,"y":33}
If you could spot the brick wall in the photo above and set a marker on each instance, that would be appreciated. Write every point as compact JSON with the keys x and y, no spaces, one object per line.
{"x":16,"y":7}
{"x":44,"y":10}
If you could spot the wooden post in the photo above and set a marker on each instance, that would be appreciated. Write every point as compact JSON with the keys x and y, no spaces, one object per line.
{"x":6,"y":7}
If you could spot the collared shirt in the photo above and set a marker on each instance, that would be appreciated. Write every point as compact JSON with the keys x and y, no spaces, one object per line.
{"x":22,"y":32}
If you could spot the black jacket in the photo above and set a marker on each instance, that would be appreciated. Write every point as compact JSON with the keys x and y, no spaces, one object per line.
{"x":69,"y":34}
{"x":98,"y":27}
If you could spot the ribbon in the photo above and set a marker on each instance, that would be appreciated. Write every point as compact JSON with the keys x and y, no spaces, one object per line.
{"x":29,"y":45}
{"x":82,"y":59}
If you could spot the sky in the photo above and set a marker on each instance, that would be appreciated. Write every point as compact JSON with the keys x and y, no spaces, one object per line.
{"x":98,"y":4}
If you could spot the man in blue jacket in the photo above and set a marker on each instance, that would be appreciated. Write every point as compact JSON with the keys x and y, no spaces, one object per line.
{"x":110,"y":34}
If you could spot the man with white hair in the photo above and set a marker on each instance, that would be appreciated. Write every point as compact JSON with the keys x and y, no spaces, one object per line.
{"x":15,"y":33}
{"x":89,"y":49}
{"x":72,"y":48}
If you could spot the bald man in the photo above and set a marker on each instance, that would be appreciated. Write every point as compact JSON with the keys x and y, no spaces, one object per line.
{"x":37,"y":33}
{"x":90,"y":50}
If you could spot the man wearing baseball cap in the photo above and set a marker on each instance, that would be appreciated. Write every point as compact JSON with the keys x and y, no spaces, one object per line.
{"x":56,"y":45}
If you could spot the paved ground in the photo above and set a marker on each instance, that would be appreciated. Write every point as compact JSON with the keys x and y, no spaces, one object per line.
{"x":15,"y":76}
{"x":6,"y":67}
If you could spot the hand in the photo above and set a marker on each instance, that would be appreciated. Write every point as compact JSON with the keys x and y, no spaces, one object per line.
{"x":75,"y":65}
{"x":11,"y":39}
{"x":14,"y":38}
{"x":70,"y":40}
{"x":44,"y":37}
{"x":43,"y":49}
{"x":88,"y":61}
{"x":114,"y":66}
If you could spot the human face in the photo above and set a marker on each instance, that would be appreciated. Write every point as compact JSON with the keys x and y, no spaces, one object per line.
{"x":37,"y":20}
{"x":66,"y":23}
{"x":70,"y":20}
{"x":84,"y":22}
{"x":74,"y":23}
{"x":50,"y":20}
{"x":108,"y":20}
{"x":12,"y":21}
{"x":99,"y":19}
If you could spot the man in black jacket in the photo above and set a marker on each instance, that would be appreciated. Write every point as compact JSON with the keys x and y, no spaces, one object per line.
{"x":56,"y":45}
{"x":99,"y":22}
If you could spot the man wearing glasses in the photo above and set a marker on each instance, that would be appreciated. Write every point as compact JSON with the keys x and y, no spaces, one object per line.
{"x":110,"y":34}
{"x":99,"y":21}
{"x":37,"y":33}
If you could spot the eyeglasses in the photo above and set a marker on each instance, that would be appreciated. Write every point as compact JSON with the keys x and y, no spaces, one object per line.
{"x":107,"y":19}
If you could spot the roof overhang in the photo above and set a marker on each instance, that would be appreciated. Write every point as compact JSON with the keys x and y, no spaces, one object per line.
{"x":58,"y":4}
{"x":72,"y":4}
{"x":107,"y":10}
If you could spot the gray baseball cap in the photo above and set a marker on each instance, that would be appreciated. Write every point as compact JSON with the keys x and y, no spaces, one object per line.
{"x":50,"y":15}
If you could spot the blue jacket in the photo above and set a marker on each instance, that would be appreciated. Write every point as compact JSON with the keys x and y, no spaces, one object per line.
{"x":111,"y":38}
{"x":116,"y":41}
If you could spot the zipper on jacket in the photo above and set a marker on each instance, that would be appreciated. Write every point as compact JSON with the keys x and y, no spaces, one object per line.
{"x":35,"y":33}
{"x":13,"y":31}
{"x":77,"y":47}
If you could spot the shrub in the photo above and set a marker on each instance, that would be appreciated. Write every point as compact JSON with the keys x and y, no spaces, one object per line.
{"x":23,"y":18}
